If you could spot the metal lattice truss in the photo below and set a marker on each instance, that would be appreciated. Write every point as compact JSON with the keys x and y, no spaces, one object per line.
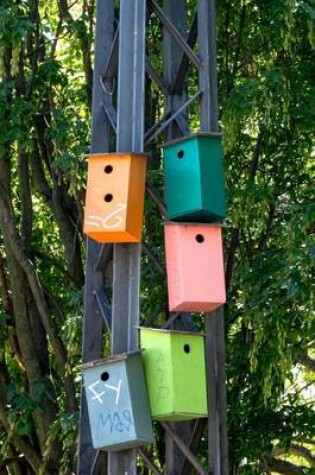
{"x":122,"y":67}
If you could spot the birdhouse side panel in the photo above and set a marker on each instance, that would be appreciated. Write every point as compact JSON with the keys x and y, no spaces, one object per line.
{"x":174,"y":262}
{"x":136,"y":196}
{"x":139,"y":399}
{"x":212,"y":178}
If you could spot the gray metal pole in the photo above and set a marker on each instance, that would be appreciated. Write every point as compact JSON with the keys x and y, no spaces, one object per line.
{"x":177,"y":14}
{"x":130,"y":137}
{"x":92,"y":321}
{"x":214,"y":322}
{"x":208,"y":68}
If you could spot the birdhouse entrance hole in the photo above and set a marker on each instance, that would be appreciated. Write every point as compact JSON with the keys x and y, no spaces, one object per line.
{"x":200,"y":238}
{"x":108,"y":169}
{"x":105,"y":376}
{"x":108,"y":198}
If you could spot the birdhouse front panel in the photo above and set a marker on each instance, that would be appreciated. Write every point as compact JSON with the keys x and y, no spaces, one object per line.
{"x":190,"y":375}
{"x":115,"y":197}
{"x":194,"y":179}
{"x":114,"y":389}
{"x":175,"y":374}
{"x":158,"y":370}
{"x":195,"y":267}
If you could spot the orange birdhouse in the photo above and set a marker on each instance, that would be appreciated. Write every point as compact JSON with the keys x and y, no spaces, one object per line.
{"x":115,"y":197}
{"x":194,"y":264}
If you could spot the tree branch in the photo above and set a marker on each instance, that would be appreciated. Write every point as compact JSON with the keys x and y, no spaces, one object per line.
{"x":281,"y":466}
{"x":303,"y":440}
{"x":69,"y":234}
{"x":22,"y":445}
{"x":6,"y":214}
{"x":53,"y":261}
{"x":26,"y":199}
{"x":38,"y":175}
{"x":267,"y":230}
{"x":303,"y":452}
{"x":306,"y":361}
{"x":237,"y":50}
{"x":296,"y":449}
{"x":8,"y":308}
{"x":257,"y":152}
{"x":234,"y":243}
{"x":27,"y":266}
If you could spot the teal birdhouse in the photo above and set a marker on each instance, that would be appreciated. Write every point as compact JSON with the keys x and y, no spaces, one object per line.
{"x":118,"y":405}
{"x":194,"y":179}
{"x":175,"y":374}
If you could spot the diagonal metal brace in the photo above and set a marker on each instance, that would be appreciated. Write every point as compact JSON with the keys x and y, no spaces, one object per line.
{"x":105,"y":254}
{"x":165,"y":123}
{"x":174,"y":32}
{"x":184,"y":64}
{"x":156,"y":77}
{"x":195,"y":439}
{"x":182,"y":124}
{"x":104,"y":308}
{"x":183,"y":447}
{"x":112,"y":63}
{"x":111,"y":115}
{"x":145,"y":456}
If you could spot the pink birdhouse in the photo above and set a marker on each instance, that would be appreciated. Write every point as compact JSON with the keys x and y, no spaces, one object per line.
{"x":195,"y":267}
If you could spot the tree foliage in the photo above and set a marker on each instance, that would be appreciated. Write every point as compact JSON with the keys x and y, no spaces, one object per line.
{"x":266,"y":93}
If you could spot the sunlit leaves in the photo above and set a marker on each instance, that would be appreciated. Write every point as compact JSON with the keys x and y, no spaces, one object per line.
{"x":267,"y":97}
{"x":14,"y":22}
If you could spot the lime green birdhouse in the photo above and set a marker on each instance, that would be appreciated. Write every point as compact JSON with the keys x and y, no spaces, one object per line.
{"x":174,"y":365}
